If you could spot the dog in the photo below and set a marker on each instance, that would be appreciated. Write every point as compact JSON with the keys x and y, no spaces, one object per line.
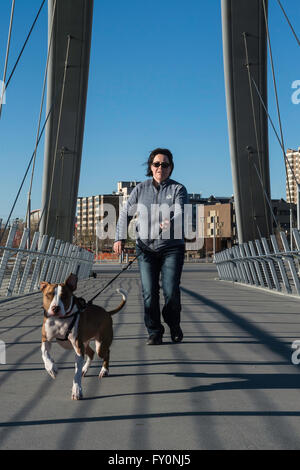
{"x":74,"y":324}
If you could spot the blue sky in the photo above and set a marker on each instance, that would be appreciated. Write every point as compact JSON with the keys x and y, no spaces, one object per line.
{"x":156,"y":79}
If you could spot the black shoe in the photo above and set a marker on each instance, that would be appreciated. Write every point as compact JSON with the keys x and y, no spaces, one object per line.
{"x":176,"y":334}
{"x":154,"y":339}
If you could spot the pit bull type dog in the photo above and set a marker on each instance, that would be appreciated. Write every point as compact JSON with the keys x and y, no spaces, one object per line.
{"x":74,"y":325}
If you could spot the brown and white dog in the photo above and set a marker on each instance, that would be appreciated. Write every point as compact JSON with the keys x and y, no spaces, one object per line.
{"x":74,"y":327}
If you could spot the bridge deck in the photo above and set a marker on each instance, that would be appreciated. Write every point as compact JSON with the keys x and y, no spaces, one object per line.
{"x":229,"y":385}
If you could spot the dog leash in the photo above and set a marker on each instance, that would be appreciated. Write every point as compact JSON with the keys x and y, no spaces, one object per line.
{"x":128,"y":265}
{"x":112,"y":280}
{"x":122,"y":270}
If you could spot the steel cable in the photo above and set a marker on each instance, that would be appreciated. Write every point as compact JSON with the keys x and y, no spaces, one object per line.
{"x":276,"y":98}
{"x":290,"y":25}
{"x":39,"y":121}
{"x":7,"y":54}
{"x":24,"y":45}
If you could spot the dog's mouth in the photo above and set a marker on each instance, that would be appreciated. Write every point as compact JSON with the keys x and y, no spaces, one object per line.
{"x":54,"y":310}
{"x":54,"y":313}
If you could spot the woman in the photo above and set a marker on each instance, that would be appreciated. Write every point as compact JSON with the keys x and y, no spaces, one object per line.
{"x":160,"y":243}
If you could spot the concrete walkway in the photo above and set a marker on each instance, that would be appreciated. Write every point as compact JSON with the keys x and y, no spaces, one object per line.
{"x":229,"y":385}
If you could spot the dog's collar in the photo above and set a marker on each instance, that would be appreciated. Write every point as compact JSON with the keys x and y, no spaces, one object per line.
{"x":70,"y":309}
{"x":60,"y":317}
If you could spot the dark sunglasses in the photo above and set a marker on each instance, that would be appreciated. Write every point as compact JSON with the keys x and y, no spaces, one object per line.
{"x":162,"y":164}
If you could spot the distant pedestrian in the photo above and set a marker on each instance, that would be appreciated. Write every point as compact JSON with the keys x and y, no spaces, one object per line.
{"x":159,"y":244}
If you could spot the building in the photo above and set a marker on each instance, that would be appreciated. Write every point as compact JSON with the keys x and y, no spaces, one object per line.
{"x":35,"y":216}
{"x":215,"y":221}
{"x":282,"y":212}
{"x":293,"y":171}
{"x":89,"y":210}
{"x":125,"y":188}
{"x":219,"y":226}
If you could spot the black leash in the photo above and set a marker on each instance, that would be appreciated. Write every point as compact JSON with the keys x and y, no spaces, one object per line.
{"x":122,"y":270}
{"x":126,"y":267}
{"x":112,"y":280}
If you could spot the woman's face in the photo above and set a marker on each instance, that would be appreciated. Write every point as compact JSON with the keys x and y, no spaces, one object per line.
{"x":160,"y":173}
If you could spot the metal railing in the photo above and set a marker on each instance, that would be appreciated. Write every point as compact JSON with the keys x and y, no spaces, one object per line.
{"x":270,"y":264}
{"x":47,"y":259}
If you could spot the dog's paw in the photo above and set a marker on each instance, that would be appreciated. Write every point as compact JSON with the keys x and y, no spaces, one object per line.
{"x":86,"y":367}
{"x":103,"y":373}
{"x":76,"y":392}
{"x":52,"y":371}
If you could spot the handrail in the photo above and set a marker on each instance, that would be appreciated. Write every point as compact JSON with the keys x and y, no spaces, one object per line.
{"x":47,"y":259}
{"x":262,"y":264}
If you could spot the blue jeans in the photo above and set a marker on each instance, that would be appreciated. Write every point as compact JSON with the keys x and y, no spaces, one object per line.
{"x":168,"y":262}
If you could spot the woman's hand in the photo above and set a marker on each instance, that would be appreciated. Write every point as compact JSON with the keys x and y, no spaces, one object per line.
{"x":164,"y":225}
{"x":118,"y":247}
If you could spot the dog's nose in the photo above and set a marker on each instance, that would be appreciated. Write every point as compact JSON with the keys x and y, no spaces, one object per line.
{"x":56,"y":308}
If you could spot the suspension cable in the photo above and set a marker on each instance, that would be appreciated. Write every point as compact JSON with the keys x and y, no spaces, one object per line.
{"x":7,"y":54}
{"x":276,"y":133}
{"x":290,"y":25}
{"x":255,"y":123}
{"x":40,"y":136}
{"x":25,"y":175}
{"x":250,"y":153}
{"x":24,"y":45}
{"x":39,"y":122}
{"x":273,"y":74}
{"x":276,"y":94}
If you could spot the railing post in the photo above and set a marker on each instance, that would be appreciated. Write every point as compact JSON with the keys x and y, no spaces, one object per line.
{"x":281,"y":265}
{"x":257,"y":265}
{"x":36,"y":272}
{"x":6,"y":254}
{"x":290,"y":261}
{"x":44,"y":271}
{"x":58,"y":262}
{"x":16,"y":268}
{"x":53,"y":261}
{"x":30,"y":258}
{"x":246,"y":266}
{"x":271,"y":264}
{"x":251,"y":264}
{"x":263,"y":263}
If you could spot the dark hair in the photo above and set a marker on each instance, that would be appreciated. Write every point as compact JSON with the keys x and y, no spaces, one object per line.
{"x":153,"y":154}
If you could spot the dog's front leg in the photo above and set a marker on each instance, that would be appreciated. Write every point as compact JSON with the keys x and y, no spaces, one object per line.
{"x":76,"y":389}
{"x":50,"y":366}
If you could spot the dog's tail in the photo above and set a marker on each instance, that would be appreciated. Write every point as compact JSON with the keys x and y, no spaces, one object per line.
{"x":124,"y":295}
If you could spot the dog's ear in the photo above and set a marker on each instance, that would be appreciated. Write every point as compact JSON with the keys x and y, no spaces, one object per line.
{"x":71,"y":282}
{"x":43,"y":284}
